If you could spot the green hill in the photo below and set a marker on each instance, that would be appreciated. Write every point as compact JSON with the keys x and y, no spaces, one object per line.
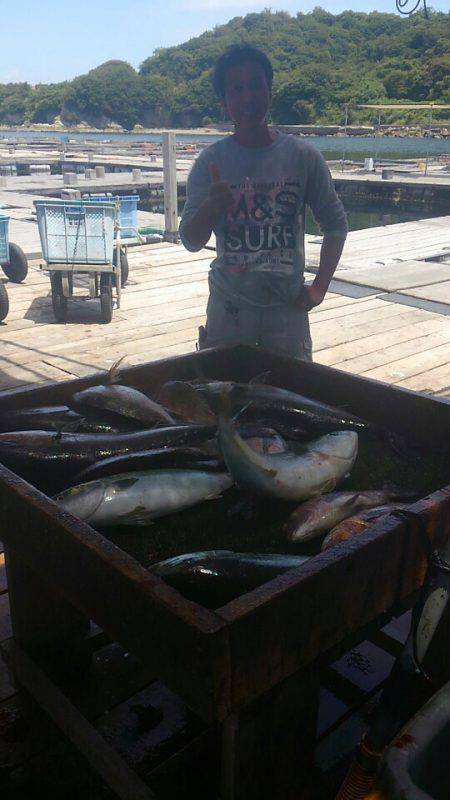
{"x":321,"y":61}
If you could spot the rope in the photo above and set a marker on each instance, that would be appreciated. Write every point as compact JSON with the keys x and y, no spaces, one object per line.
{"x":401,"y":5}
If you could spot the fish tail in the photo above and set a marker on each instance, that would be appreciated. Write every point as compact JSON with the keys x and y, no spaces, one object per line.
{"x":114,"y":372}
{"x":258,"y":379}
{"x":221,"y":403}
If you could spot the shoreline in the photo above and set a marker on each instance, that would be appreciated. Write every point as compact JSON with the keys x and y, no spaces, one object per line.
{"x":333,"y":131}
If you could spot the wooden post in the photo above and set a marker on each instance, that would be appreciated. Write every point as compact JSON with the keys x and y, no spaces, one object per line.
{"x":43,"y":622}
{"x":170,"y":187}
{"x":429,"y":138}
{"x":268,"y":746}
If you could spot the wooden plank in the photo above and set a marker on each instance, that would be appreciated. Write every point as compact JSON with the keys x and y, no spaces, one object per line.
{"x":395,"y":276}
{"x":411,"y":365}
{"x":355,"y":322}
{"x":357,"y":308}
{"x":331,"y":334}
{"x":11,"y":374}
{"x":369,"y":344}
{"x":129,"y":338}
{"x":439,"y":292}
{"x":391,"y":355}
{"x":124,"y":782}
{"x":430,"y":380}
{"x":399,"y":228}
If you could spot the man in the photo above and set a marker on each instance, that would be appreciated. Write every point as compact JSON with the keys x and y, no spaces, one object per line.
{"x":251,"y":189}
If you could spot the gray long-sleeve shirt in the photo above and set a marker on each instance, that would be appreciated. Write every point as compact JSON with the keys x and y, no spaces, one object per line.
{"x":260,"y":242}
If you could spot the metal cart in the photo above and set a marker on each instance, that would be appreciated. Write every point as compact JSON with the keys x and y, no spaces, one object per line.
{"x":13,"y":262}
{"x":12,"y":258}
{"x":4,"y":257}
{"x":77,"y":237}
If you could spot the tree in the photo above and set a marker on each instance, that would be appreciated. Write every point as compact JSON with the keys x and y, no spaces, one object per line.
{"x":320,"y":60}
{"x":112,"y":92}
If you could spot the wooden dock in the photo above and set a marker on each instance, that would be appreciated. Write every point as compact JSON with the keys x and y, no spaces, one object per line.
{"x":386,"y":315}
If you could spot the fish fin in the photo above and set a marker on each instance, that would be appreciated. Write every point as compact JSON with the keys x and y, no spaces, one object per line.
{"x":328,"y":487}
{"x":214,"y":495}
{"x":68,"y":427}
{"x":140,"y":516}
{"x":258,"y":379}
{"x":241,"y":410}
{"x":112,"y":376}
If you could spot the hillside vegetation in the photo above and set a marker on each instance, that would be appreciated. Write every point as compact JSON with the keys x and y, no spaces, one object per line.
{"x":321,"y":61}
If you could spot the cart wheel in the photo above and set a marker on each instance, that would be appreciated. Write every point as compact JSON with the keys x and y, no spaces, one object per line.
{"x":4,"y":301}
{"x":124,"y":269}
{"x":59,"y":302}
{"x":17,"y":267}
{"x":106,"y":298}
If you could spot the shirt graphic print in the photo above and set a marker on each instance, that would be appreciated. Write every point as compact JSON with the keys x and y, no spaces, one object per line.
{"x":262,"y":228}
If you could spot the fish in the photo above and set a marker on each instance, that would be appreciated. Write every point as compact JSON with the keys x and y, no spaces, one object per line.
{"x":50,"y":460}
{"x":213,"y":578}
{"x":158,"y":458}
{"x":62,"y":418}
{"x":123,"y":400}
{"x":137,"y":498}
{"x":272,"y":403}
{"x":183,"y":400}
{"x":287,"y":476}
{"x":319,"y":514}
{"x":354,"y":526}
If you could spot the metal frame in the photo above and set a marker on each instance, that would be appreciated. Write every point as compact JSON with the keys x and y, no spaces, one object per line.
{"x":93,"y":270}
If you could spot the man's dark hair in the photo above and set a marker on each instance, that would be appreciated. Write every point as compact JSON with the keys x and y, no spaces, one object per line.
{"x":234,"y":56}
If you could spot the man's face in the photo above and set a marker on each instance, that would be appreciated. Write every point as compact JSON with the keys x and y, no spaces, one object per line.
{"x":247,"y":95}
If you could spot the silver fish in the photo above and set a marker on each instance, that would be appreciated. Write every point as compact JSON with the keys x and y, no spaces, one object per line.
{"x":123,"y":400}
{"x":320,"y":514}
{"x":215,"y":577}
{"x":289,"y":476}
{"x":140,"y":497}
{"x":273,"y":403}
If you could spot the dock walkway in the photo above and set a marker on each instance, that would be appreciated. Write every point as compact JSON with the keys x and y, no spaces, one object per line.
{"x":386,"y":315}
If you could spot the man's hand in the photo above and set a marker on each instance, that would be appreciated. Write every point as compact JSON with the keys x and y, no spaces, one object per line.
{"x":220,"y":197}
{"x":310,"y":297}
{"x":330,"y":253}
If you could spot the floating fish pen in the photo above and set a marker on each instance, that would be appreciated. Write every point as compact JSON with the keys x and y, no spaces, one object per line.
{"x":395,"y":190}
{"x":252,"y":671}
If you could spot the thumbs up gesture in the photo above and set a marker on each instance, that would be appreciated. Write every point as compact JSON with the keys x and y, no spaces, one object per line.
{"x":220,"y":196}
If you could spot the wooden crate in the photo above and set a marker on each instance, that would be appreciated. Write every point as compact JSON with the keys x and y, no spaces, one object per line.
{"x":251,"y":665}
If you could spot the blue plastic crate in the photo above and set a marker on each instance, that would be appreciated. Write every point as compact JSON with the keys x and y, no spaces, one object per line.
{"x":127,"y":211}
{"x":76,"y":231}
{"x":4,"y":240}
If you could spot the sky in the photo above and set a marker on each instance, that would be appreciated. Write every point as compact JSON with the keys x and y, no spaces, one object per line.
{"x":47,"y":41}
